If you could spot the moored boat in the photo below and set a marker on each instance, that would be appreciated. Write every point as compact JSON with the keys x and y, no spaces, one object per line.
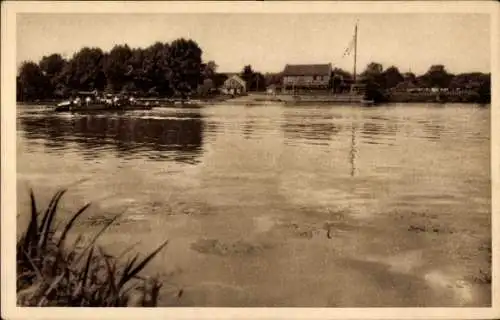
{"x":101,"y":108}
{"x":63,"y":106}
{"x":92,"y":102}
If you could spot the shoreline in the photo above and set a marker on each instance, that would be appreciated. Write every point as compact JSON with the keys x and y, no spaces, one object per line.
{"x":257,"y":98}
{"x":265,"y":102}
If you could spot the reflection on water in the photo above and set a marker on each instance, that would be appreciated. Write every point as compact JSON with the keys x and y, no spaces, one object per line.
{"x":353,"y":151}
{"x":313,"y":126}
{"x":341,"y":141}
{"x":433,"y":130}
{"x":389,"y":143}
{"x":397,"y":193}
{"x":179,"y":138}
{"x":248,"y":128}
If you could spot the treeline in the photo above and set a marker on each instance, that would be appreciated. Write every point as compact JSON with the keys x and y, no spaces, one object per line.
{"x":162,"y":69}
{"x":381,"y":84}
{"x":177,"y":69}
{"x":258,"y":81}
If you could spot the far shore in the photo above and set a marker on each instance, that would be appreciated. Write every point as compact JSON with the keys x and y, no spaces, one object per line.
{"x":256,"y":98}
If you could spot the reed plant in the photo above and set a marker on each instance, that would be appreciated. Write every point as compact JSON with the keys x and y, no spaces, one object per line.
{"x":51,"y":272}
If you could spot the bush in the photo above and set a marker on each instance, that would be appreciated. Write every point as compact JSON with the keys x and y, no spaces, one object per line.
{"x":49,"y":273}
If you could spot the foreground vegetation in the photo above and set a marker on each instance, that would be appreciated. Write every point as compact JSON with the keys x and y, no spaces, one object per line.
{"x":52,"y":273}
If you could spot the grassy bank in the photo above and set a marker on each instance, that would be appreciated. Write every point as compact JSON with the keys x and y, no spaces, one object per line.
{"x":393,"y":97}
{"x":409,"y":97}
{"x":51,"y":272}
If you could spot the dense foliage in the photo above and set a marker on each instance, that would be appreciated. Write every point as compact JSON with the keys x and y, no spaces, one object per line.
{"x":165,"y":69}
{"x":177,"y":69}
{"x":255,"y":80}
{"x":381,"y":83}
{"x":52,"y":272}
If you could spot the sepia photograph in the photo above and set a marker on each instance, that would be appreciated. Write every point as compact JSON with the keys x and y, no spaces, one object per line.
{"x":267,"y":157}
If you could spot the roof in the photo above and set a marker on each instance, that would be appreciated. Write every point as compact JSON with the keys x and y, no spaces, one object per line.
{"x":308,"y":69}
{"x":237,"y":79}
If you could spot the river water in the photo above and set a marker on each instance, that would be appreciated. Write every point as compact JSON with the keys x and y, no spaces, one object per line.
{"x":280,"y":206}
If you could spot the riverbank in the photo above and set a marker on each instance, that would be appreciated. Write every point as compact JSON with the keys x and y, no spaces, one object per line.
{"x":399,"y":98}
{"x":152,"y":100}
{"x":261,"y":98}
{"x":443,"y":97}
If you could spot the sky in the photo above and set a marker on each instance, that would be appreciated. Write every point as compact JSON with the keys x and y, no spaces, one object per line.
{"x":411,"y":42}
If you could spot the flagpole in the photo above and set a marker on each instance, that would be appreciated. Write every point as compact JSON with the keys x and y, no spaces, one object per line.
{"x":355,"y":51}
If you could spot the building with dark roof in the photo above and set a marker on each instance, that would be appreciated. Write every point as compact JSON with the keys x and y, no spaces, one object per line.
{"x":307,"y":76}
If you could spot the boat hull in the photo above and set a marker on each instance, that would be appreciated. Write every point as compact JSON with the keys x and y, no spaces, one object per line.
{"x":101,"y":108}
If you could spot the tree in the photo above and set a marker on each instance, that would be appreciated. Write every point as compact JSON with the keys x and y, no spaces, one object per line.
{"x":471,"y":80}
{"x":247,"y":74}
{"x":19,"y":93}
{"x":484,"y":89}
{"x":374,"y":74}
{"x":219,"y":79}
{"x":436,"y":76}
{"x":336,"y":83}
{"x":156,"y":72}
{"x":392,"y":77}
{"x":373,"y":68}
{"x":374,"y":81}
{"x":33,"y":84}
{"x":409,"y":77}
{"x":160,"y":69}
{"x":340,"y":80}
{"x":136,"y":75}
{"x":273,"y":78}
{"x":258,"y":82}
{"x":255,"y":80}
{"x":345,"y":75}
{"x":117,"y":67}
{"x":52,"y":67}
{"x":185,"y":66}
{"x":85,"y":70}
{"x":206,"y":87}
{"x":209,"y":69}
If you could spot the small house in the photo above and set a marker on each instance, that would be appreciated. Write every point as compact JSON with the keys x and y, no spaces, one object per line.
{"x":307,"y":76}
{"x":234,"y":85}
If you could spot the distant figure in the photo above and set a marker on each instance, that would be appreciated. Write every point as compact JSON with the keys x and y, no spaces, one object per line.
{"x":115,"y":100}
{"x":108,"y":101}
{"x":78,"y":101}
{"x":87,"y":101}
